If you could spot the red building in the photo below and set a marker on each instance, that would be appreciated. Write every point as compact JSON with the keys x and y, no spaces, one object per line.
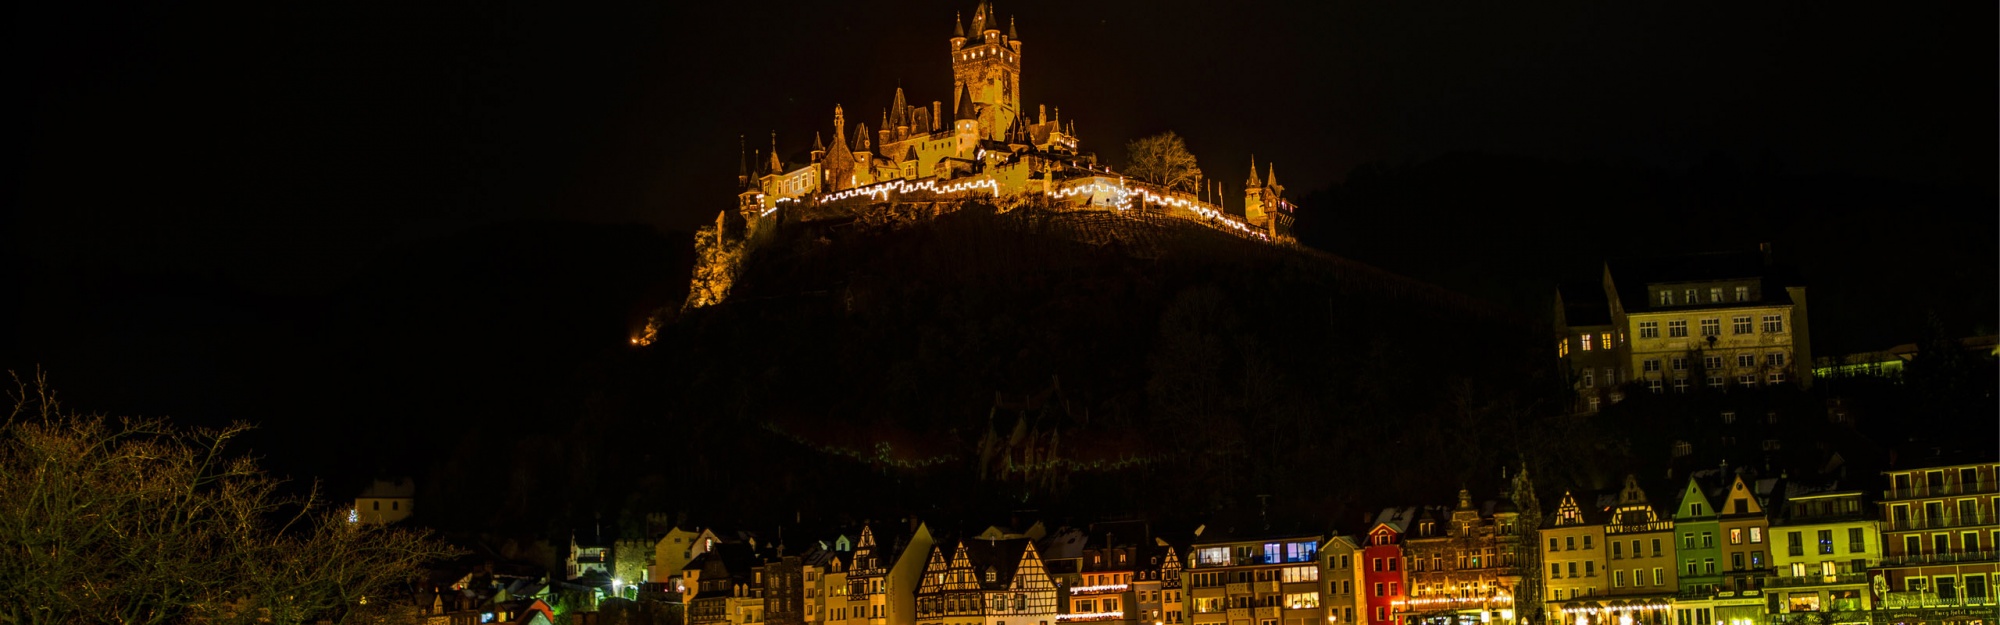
{"x":1382,"y":578}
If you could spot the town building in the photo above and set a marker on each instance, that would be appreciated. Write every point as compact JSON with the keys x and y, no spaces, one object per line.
{"x":671,"y":555}
{"x":1173,"y":587}
{"x":882,"y":579}
{"x":1255,"y":580}
{"x":1570,"y":539}
{"x":1340,"y":580}
{"x":1826,"y":543}
{"x":1463,"y":564}
{"x":1587,"y":344}
{"x":728,"y":587}
{"x":824,"y":569}
{"x":385,"y":501}
{"x":1715,"y":321}
{"x":1724,"y":553}
{"x":1639,"y":559}
{"x":784,"y":590}
{"x":1938,"y":540}
{"x":1383,"y":579}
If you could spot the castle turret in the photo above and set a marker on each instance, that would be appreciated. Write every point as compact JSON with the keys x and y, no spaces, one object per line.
{"x":819,"y":149}
{"x":899,"y":114}
{"x":883,"y":134}
{"x":1253,"y":182}
{"x":864,"y":156}
{"x":957,"y":31}
{"x":966,"y":124}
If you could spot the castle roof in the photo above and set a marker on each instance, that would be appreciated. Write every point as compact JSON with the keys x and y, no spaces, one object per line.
{"x":965,"y":104}
{"x":1253,"y":182}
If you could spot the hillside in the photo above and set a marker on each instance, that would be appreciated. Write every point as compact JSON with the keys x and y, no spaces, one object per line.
{"x":1081,"y":361}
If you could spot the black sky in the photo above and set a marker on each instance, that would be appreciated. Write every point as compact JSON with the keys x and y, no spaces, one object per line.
{"x":175,"y":155}
{"x":304,"y":136}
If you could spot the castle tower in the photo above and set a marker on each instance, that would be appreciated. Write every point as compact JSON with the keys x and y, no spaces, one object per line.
{"x":1261,"y":198}
{"x":990,"y":67}
{"x":864,"y":157}
{"x":819,"y":149}
{"x":838,"y":168}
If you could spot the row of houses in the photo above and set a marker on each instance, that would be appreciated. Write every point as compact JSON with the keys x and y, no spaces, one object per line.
{"x":1724,"y":547}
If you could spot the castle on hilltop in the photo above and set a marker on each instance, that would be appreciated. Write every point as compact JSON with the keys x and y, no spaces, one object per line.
{"x":929,"y":160}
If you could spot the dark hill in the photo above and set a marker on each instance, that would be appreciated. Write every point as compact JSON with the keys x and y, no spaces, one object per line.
{"x":1084,"y":362}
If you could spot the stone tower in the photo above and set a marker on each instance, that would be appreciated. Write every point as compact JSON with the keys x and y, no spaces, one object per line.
{"x":989,"y":65}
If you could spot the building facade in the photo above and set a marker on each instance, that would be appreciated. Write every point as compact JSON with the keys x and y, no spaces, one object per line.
{"x":1341,"y":581}
{"x":1825,"y":545}
{"x":1639,"y":559}
{"x":1256,"y":581}
{"x":1938,"y":539}
{"x":1570,"y":540}
{"x":1716,"y":321}
{"x":1383,"y":579}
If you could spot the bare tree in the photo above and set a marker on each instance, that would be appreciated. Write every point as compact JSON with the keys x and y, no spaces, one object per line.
{"x":1164,"y":160}
{"x":136,"y":521}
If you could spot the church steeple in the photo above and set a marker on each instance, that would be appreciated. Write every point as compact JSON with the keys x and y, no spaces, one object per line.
{"x":742,"y":163}
{"x":1253,"y":182}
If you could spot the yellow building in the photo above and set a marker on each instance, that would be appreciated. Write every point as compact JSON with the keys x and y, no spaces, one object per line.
{"x":1823,"y":549}
{"x":1715,"y":321}
{"x":1571,"y":541}
{"x":1639,"y":556}
{"x":1340,"y":579}
{"x":385,"y":501}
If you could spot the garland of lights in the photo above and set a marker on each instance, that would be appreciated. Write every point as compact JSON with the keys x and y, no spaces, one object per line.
{"x":1090,"y":616}
{"x":1122,"y":195}
{"x":1088,"y":590}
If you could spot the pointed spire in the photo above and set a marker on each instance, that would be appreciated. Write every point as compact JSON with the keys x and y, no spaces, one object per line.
{"x":899,"y":110}
{"x":861,"y":137}
{"x":981,"y":19}
{"x":817,"y":146}
{"x":777,"y":167}
{"x":958,"y":25}
{"x":1273,"y":182}
{"x":742,"y":160}
{"x":885,"y":121}
{"x":965,"y":105}
{"x":1010,"y":28}
{"x":1253,"y":182}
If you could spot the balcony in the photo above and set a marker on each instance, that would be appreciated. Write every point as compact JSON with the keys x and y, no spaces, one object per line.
{"x":1264,"y":588}
{"x":1639,"y":528}
{"x":1949,"y":557}
{"x":1239,"y":614}
{"x":1949,"y":520}
{"x":1919,"y":492}
{"x":1238,"y":588}
{"x":1931,"y":600}
{"x":1815,"y":580}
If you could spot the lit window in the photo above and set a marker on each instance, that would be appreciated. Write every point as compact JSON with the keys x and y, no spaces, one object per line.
{"x":1690,"y":296}
{"x":1742,"y":293}
{"x":1607,"y":340}
{"x":1666,"y":297}
{"x":1715,"y":294}
{"x":1584,"y":343}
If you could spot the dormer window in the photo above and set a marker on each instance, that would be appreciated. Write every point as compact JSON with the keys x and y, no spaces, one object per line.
{"x":1666,"y":297}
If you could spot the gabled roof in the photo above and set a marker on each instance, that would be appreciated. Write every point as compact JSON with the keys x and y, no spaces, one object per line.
{"x":1001,"y":557}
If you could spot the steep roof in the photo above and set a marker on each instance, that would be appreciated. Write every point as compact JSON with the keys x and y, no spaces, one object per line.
{"x":1003,"y":557}
{"x":967,"y":110}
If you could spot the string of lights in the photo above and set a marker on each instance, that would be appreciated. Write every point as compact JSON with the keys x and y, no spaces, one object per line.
{"x":1103,"y":588}
{"x":1090,"y":616}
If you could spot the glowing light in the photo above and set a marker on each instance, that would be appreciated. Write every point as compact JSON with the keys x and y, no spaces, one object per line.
{"x":1074,"y":590}
{"x":353,"y":515}
{"x":1090,"y":616}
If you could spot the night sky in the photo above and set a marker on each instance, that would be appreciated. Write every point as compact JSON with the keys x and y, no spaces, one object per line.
{"x":191,"y":178}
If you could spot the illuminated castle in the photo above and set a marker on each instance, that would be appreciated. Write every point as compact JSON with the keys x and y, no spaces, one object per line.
{"x":981,"y":145}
